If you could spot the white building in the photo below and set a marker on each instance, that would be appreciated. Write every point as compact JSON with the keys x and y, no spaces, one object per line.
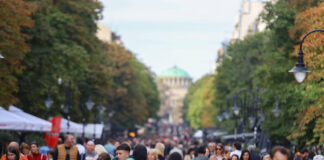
{"x":247,"y":20}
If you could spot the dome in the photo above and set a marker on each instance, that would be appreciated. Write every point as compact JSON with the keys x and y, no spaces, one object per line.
{"x":175,"y":72}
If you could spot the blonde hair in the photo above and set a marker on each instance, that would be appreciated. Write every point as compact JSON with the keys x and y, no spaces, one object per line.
{"x":100,"y":149}
{"x":154,"y":152}
{"x":160,"y":149}
{"x":267,"y":156}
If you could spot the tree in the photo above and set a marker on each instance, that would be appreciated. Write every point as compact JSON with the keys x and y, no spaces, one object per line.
{"x":15,"y":17}
{"x":308,"y":127}
{"x":198,"y":103}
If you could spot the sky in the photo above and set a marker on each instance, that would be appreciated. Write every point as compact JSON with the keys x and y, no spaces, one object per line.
{"x":165,"y":33}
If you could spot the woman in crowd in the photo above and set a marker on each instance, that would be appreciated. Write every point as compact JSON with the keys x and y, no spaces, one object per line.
{"x":35,"y":152}
{"x":235,"y":157}
{"x":152,"y":155}
{"x":12,"y":154}
{"x":219,"y":154}
{"x":190,"y":154}
{"x":160,"y":150}
{"x":104,"y":156}
{"x":245,"y":155}
{"x":24,"y":149}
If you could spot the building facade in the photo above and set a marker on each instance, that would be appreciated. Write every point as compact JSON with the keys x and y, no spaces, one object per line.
{"x":247,"y":20}
{"x":173,"y":85}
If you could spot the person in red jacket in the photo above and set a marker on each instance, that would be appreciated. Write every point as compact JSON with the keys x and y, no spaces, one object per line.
{"x":35,"y":152}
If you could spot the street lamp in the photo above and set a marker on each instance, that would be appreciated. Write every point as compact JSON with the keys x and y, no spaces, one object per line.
{"x":276,"y":111}
{"x":48,"y":102}
{"x":300,"y":70}
{"x":1,"y":57}
{"x":90,"y":103}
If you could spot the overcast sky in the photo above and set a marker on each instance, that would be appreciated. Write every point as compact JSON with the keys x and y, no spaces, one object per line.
{"x":164,"y":33}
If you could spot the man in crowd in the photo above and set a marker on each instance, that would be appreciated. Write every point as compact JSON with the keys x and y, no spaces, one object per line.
{"x":237,"y":149}
{"x":212,"y":148}
{"x":123,"y":152}
{"x":201,"y":155}
{"x":305,"y":154}
{"x":80,"y":146}
{"x":90,"y":152}
{"x":254,"y":156}
{"x":66,"y":151}
{"x":280,"y":153}
{"x":110,"y":148}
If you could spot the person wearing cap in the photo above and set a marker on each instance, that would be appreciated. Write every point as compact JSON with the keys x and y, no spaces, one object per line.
{"x":35,"y":152}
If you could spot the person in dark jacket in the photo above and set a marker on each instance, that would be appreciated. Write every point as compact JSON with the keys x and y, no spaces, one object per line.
{"x":253,"y":155}
{"x":140,"y":152}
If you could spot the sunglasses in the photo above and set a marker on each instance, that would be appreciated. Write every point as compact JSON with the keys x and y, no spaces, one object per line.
{"x":218,"y":149}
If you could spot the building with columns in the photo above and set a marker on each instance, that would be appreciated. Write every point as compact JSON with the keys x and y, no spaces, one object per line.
{"x":173,"y":85}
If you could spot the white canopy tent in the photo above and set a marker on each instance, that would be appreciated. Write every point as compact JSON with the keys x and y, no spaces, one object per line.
{"x":11,"y":121}
{"x":38,"y":123}
{"x":89,"y":129}
{"x":73,"y":128}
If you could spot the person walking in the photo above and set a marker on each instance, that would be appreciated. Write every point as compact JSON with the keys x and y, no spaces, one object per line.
{"x":219,"y":152}
{"x":140,"y":152}
{"x":237,"y":151}
{"x":90,"y":152}
{"x":81,"y":148}
{"x":35,"y":152}
{"x":201,"y":153}
{"x":24,"y":149}
{"x":15,"y":145}
{"x":67,"y":150}
{"x":253,"y":155}
{"x":160,"y":150}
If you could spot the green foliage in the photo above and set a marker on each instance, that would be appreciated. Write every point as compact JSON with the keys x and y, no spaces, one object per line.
{"x":199,"y":110}
{"x":62,"y":43}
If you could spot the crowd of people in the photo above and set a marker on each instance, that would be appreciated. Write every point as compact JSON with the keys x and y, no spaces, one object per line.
{"x":148,"y":149}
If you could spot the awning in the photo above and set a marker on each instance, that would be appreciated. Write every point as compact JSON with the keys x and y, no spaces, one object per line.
{"x":11,"y":121}
{"x":38,"y":123}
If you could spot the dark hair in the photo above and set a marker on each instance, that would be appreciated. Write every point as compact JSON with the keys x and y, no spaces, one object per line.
{"x":35,"y":143}
{"x":304,"y":150}
{"x":245,"y":151}
{"x":238,"y":145}
{"x":50,"y":152}
{"x":202,"y":149}
{"x":280,"y":149}
{"x":104,"y":156}
{"x":13,"y":150}
{"x":175,"y":156}
{"x":79,"y":140}
{"x":124,"y":147}
{"x":235,"y":156}
{"x":140,"y":152}
{"x":190,"y":150}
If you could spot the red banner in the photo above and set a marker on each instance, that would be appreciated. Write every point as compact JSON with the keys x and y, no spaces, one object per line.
{"x":52,"y":137}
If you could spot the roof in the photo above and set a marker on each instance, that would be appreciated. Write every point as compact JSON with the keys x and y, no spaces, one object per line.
{"x":175,"y":72}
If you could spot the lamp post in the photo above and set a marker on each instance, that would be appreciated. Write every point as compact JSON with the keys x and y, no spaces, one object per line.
{"x":68,"y":100}
{"x":300,"y":70}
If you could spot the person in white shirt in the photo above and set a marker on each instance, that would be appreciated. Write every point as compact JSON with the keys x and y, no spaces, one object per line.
{"x":80,"y":146}
{"x":237,"y":149}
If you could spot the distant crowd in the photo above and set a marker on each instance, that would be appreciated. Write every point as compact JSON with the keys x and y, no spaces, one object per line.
{"x":148,"y":149}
